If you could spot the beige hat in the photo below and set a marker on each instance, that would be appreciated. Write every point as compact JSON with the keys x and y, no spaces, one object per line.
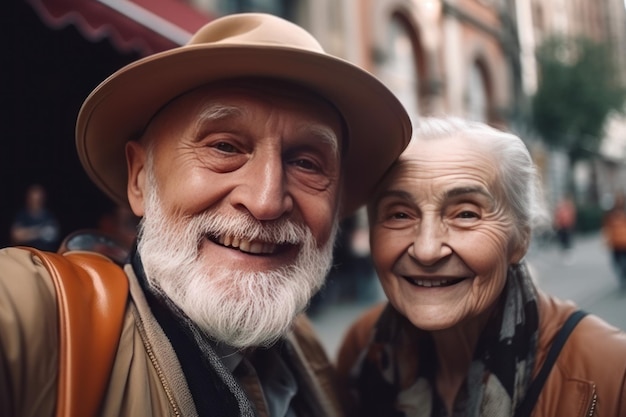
{"x":239,"y":46}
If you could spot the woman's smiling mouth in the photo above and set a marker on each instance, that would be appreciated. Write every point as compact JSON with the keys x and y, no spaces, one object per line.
{"x":428,"y":283}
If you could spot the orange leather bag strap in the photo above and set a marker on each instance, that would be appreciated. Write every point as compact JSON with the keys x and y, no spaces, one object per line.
{"x":92,"y":292}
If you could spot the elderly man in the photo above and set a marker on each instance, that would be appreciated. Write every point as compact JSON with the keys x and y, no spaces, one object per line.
{"x":240,"y":151}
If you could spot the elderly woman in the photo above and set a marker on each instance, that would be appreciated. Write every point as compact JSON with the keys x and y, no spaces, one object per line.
{"x":466,"y":329}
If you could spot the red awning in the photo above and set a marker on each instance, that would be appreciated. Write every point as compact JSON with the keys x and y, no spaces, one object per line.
{"x":143,"y":26}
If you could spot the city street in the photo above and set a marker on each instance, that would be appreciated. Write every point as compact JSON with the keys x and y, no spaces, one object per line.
{"x":584,"y":276}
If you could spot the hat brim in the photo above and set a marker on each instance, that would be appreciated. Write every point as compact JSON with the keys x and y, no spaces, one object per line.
{"x":119,"y":109}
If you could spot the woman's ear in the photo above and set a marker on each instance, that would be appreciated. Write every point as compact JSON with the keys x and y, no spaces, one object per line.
{"x":520,"y":246}
{"x":136,"y":166}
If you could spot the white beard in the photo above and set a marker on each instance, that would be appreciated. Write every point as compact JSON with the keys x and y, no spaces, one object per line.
{"x":236,"y":307}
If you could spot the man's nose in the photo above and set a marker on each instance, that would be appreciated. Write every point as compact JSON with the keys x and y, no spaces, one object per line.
{"x":264,"y":191}
{"x":430,"y":242}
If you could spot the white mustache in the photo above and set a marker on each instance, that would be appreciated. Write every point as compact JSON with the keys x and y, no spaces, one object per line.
{"x":238,"y":231}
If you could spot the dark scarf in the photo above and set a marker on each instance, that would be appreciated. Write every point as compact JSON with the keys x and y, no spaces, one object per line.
{"x":213,"y":388}
{"x":395,"y":374}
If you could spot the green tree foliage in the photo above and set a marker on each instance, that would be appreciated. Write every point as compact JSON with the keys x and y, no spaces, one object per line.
{"x":578,"y":88}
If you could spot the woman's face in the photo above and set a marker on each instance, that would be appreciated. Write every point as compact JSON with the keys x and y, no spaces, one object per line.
{"x":442,"y":236}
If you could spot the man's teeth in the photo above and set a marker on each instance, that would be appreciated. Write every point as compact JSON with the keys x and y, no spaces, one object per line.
{"x":246,"y":245}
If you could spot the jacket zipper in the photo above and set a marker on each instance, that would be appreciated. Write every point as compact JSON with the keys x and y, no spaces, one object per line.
{"x":594,"y":402}
{"x":157,"y":367}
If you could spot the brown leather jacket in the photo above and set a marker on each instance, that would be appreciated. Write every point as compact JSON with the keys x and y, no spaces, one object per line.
{"x":146,"y":379}
{"x":588,"y":378}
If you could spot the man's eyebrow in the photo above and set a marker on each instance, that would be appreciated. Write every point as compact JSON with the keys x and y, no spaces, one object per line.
{"x":459,"y":191}
{"x":324,"y":134}
{"x":219,"y":111}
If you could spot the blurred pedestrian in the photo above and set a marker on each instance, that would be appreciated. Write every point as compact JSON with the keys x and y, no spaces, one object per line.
{"x":35,"y":225}
{"x":564,"y":223}
{"x":614,"y":232}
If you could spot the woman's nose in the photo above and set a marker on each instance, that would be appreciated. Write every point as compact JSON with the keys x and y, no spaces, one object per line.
{"x":429,"y":243}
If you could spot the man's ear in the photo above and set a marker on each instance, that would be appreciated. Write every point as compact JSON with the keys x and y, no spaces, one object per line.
{"x":136,"y":166}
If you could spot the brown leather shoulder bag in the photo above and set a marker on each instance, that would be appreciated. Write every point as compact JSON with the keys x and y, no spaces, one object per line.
{"x":92,"y":292}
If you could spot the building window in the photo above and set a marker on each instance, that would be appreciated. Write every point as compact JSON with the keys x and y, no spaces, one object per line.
{"x":283,"y":8}
{"x":396,"y":66}
{"x":477,"y":95}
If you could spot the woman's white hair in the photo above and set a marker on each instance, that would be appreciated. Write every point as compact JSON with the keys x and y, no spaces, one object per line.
{"x":520,"y":181}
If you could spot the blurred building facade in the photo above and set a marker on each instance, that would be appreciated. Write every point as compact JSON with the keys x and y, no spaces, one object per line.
{"x":454,"y":57}
{"x":474,"y":59}
{"x":469,"y":58}
{"x":603,"y":21}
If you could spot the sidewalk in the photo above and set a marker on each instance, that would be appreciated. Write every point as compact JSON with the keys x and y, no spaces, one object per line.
{"x":583,"y":276}
{"x":587,"y":278}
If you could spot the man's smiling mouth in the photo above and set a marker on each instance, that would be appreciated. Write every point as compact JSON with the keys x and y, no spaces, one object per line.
{"x":255,"y":247}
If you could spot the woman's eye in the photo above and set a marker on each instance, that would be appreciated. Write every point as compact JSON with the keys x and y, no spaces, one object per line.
{"x":467,"y":215}
{"x":396,"y":216}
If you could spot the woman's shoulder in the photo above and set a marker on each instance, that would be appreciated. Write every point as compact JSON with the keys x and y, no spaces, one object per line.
{"x":597,"y":339}
{"x":590,"y":368}
{"x":595,"y":347}
{"x":554,"y":312}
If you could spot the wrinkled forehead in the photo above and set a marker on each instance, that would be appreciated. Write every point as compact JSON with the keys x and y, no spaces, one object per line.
{"x":448,"y":142}
{"x":453,"y":152}
{"x":435,"y":160}
{"x":267,"y":93}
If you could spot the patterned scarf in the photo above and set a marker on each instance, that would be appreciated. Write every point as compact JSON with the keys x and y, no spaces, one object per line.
{"x":395,"y":373}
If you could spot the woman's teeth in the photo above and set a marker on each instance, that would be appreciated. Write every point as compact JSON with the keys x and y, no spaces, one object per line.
{"x":432,"y":282}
